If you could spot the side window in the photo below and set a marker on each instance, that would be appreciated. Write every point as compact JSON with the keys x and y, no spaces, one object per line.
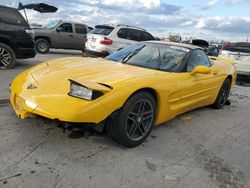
{"x":146,"y":36}
{"x":123,"y":33}
{"x":172,"y":59}
{"x":134,"y":35}
{"x":66,"y":27}
{"x":197,"y":57}
{"x":10,"y":16}
{"x":80,"y":29}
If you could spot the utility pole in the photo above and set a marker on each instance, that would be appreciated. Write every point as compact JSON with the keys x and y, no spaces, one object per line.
{"x":247,"y":39}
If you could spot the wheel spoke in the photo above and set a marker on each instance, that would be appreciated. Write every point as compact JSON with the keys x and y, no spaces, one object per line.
{"x":141,"y":107}
{"x":131,"y":118}
{"x":2,"y":51}
{"x":4,"y":62}
{"x":146,"y":115}
{"x":133,"y":114}
{"x":147,"y":112}
{"x":132,"y":129}
{"x":7,"y":56}
{"x":142,"y":129}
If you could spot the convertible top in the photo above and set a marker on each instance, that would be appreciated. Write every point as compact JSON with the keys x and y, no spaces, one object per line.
{"x":189,"y":46}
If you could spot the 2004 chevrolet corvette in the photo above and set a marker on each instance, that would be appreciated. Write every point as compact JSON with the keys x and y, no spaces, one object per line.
{"x":129,"y":92}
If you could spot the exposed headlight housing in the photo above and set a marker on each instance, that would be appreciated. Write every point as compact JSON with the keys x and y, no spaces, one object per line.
{"x":79,"y":91}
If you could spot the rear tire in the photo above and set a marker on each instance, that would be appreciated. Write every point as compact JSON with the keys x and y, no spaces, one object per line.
{"x":42,"y":46}
{"x":134,"y":121}
{"x":223,"y":94}
{"x":7,"y":57}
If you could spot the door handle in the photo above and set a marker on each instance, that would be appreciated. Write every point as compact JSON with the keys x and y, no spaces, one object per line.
{"x":215,"y":73}
{"x":71,"y":35}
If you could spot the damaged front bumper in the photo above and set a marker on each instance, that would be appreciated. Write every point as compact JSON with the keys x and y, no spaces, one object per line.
{"x":52,"y":104}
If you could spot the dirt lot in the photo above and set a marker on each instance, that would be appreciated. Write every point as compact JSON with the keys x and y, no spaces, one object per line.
{"x":203,"y":148}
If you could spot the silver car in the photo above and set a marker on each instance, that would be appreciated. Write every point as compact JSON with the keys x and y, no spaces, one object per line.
{"x":106,"y":39}
{"x":61,"y":35}
{"x":240,"y":54}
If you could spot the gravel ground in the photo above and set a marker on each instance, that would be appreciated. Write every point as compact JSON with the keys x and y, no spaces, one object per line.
{"x":203,"y":148}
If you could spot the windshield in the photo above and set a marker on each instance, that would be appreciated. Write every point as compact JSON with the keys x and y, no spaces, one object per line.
{"x":51,"y":25}
{"x":102,"y":30}
{"x":238,"y":47}
{"x":158,"y":57}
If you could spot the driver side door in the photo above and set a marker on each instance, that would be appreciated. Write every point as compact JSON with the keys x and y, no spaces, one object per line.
{"x":63,"y":36}
{"x":198,"y":89}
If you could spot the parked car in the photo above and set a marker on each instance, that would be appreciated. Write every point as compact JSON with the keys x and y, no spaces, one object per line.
{"x":240,"y":53}
{"x":61,"y":35}
{"x":213,"y":51}
{"x":218,"y":45}
{"x":105,"y":39}
{"x":197,"y":42}
{"x":127,"y":93}
{"x":16,"y":38}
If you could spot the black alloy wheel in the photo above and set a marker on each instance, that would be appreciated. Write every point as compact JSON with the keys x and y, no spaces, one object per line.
{"x":223,"y":94}
{"x":135,"y":120}
{"x":139,"y":120}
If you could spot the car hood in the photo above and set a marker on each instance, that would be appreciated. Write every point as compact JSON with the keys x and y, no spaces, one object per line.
{"x":95,"y":70}
{"x":41,"y":31}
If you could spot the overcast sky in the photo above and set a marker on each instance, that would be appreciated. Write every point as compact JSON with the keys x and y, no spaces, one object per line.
{"x":208,"y":19}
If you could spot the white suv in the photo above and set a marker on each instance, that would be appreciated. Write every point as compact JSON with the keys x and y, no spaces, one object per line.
{"x":104,"y":39}
{"x":240,"y":54}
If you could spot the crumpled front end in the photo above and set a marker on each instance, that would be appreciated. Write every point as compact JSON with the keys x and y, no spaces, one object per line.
{"x":29,"y":98}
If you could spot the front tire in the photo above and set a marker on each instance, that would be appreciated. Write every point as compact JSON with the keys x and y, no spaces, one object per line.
{"x":135,"y":120}
{"x":7,"y":57}
{"x":223,"y":94}
{"x":42,"y":46}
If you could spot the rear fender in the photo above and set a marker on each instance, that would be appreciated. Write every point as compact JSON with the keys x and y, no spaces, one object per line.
{"x":222,"y":59}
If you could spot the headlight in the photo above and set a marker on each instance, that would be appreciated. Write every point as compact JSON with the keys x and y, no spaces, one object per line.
{"x":79,"y":91}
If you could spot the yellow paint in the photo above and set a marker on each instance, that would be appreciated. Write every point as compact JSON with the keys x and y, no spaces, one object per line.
{"x":176,"y":92}
{"x":222,"y":59}
{"x":201,"y":70}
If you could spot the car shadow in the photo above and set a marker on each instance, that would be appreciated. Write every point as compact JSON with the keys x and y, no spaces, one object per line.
{"x":65,"y":52}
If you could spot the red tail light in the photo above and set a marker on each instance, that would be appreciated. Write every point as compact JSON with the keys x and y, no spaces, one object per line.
{"x":106,"y":41}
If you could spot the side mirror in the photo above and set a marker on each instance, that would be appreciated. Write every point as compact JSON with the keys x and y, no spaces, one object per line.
{"x":59,"y":29}
{"x":201,"y":70}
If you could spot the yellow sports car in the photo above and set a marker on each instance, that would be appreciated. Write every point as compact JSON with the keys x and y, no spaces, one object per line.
{"x":131,"y":90}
